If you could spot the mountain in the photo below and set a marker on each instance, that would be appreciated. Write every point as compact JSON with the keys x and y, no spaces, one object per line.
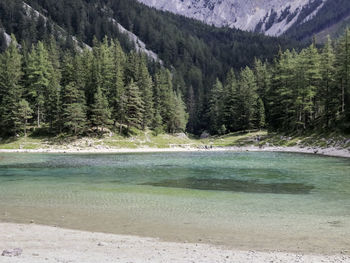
{"x":297,"y":19}
{"x":272,"y":17}
{"x":332,"y":19}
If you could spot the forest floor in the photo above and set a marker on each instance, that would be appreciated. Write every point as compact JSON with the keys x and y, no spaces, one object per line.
{"x":333,"y":144}
{"x":37,"y":243}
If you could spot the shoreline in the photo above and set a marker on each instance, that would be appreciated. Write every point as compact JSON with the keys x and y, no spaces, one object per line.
{"x":333,"y":152}
{"x":41,"y":243}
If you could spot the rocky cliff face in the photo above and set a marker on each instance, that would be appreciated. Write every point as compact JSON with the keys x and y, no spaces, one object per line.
{"x":272,"y":17}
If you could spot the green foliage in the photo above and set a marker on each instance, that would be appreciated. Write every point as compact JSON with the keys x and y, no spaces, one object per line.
{"x":73,"y":110}
{"x":196,"y":53}
{"x":24,"y":114}
{"x":134,"y":106}
{"x":10,"y":88}
{"x":100,"y":113}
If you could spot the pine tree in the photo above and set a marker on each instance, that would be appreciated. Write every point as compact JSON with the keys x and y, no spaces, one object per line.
{"x":52,"y":94}
{"x":192,"y":110}
{"x":283,"y":91}
{"x":118,"y":96}
{"x":164,"y":92}
{"x":38,"y":77}
{"x":260,"y":120}
{"x":73,"y":109}
{"x":327,"y":93}
{"x":216,"y":107}
{"x":343,"y":78}
{"x":247,"y":99}
{"x":262,"y":77}
{"x":230,"y":103}
{"x":178,"y":120}
{"x":343,"y":68}
{"x":134,"y":106}
{"x":100,"y":113}
{"x":313,"y":78}
{"x":24,"y":114}
{"x":10,"y":88}
{"x":145,"y":85}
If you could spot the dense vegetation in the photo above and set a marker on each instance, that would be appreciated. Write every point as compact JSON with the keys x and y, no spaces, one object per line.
{"x":196,"y":53}
{"x":300,"y":91}
{"x":85,"y":91}
{"x":213,"y":83}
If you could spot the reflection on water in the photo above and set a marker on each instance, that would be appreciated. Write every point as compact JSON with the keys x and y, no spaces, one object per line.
{"x":261,"y":200}
{"x":235,"y":186}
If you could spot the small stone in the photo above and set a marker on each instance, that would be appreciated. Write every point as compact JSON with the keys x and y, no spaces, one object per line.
{"x":35,"y":254}
{"x":32,"y":221}
{"x":101,"y":244}
{"x":12,"y":253}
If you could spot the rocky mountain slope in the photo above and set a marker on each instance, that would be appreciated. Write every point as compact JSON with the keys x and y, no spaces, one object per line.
{"x":272,"y":17}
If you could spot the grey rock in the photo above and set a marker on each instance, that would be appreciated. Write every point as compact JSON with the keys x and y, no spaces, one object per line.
{"x":205,"y":135}
{"x":252,"y":15}
{"x":12,"y":253}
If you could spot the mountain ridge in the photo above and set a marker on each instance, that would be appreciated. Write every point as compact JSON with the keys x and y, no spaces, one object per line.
{"x":272,"y":18}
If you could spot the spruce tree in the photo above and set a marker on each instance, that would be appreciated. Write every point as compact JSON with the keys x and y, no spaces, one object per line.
{"x":145,"y":85}
{"x":38,"y":77}
{"x":216,"y":107}
{"x":230,"y":103}
{"x":24,"y":114}
{"x":327,"y":93}
{"x":52,"y":94}
{"x":134,"y":106}
{"x":260,"y":120}
{"x":73,"y":109}
{"x":100,"y":113}
{"x":180,"y":117}
{"x":247,"y":99}
{"x":118,"y":95}
{"x":10,"y":88}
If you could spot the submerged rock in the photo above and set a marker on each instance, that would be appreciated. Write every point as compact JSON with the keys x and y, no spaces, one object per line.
{"x":12,"y":253}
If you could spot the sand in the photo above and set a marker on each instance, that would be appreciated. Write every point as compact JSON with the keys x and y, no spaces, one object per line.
{"x":51,"y":244}
{"x":336,"y":152}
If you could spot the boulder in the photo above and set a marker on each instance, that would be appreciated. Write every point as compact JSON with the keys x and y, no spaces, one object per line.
{"x":205,"y":135}
{"x":181,"y":135}
{"x":12,"y":253}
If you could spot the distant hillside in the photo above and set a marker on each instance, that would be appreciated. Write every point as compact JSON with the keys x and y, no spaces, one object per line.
{"x":331,"y":19}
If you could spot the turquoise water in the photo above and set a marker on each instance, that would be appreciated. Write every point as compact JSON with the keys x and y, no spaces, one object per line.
{"x":283,"y":201}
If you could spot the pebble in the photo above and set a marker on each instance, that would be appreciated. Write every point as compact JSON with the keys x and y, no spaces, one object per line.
{"x":101,"y":244}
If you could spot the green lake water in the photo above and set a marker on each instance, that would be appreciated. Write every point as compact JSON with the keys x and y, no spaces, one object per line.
{"x":267,"y":201}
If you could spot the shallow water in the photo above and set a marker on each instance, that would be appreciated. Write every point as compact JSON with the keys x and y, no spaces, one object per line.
{"x":278,"y":201}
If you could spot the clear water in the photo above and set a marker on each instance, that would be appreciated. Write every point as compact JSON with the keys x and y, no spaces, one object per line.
{"x":279,"y":201}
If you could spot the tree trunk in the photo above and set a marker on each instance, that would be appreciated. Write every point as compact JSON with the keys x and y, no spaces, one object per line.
{"x":38,"y":118}
{"x":25,"y":128}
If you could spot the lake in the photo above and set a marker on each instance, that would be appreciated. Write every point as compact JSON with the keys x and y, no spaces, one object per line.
{"x":261,"y":200}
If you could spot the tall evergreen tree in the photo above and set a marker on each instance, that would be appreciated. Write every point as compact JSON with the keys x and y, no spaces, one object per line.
{"x":73,"y":109}
{"x":145,"y":85}
{"x":24,"y":114}
{"x":134,"y":106}
{"x":10,"y":88}
{"x":327,"y":92}
{"x":216,"y":107}
{"x":247,"y":99}
{"x":118,"y":93}
{"x":38,"y":70}
{"x":230,"y":102}
{"x":100,"y":113}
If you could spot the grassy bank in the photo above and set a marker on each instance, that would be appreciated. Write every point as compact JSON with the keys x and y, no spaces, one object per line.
{"x":147,"y":139}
